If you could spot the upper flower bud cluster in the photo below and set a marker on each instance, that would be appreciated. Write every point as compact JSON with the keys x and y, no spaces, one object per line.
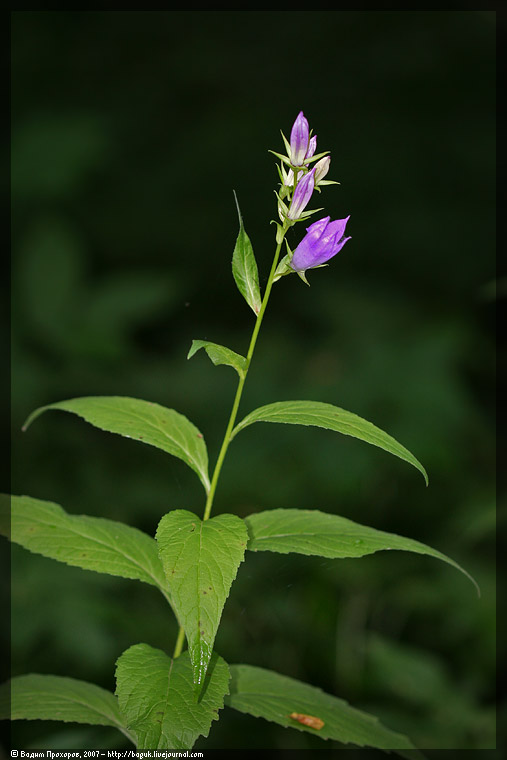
{"x":298,"y":180}
{"x":325,"y":238}
{"x":303,"y":147}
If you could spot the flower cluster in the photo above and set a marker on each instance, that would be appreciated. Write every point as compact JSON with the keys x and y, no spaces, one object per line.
{"x":324,"y":238}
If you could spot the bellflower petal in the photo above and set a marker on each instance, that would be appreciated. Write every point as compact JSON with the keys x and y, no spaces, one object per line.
{"x":312,"y":147}
{"x":334,"y":229}
{"x":302,"y":195}
{"x":299,"y":140}
{"x":323,"y":240}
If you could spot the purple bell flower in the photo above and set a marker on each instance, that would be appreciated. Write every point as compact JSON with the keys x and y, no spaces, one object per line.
{"x":322,"y":241}
{"x":302,"y":195}
{"x":299,"y":138}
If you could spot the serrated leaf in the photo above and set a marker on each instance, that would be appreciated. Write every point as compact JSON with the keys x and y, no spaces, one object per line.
{"x":143,"y":421}
{"x":220,"y":355}
{"x":91,"y":543}
{"x":157,"y":697}
{"x":200,"y":560}
{"x":332,"y":418}
{"x":269,"y":695}
{"x":244,"y":267}
{"x":43,"y":697}
{"x":310,"y":532}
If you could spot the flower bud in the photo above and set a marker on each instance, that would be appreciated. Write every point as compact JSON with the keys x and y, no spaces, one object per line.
{"x":322,"y":241}
{"x":299,"y":140}
{"x":322,"y":168}
{"x":289,"y":177}
{"x":312,"y":147}
{"x":302,"y":195}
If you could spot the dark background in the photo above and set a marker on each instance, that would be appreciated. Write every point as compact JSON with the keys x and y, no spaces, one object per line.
{"x":129,"y":132}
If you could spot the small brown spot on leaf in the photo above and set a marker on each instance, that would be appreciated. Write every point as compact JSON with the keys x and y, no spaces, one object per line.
{"x":199,"y":435}
{"x":307,"y":720}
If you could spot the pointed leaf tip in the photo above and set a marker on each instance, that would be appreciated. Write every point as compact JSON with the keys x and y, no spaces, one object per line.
{"x":330,"y":417}
{"x":244,"y":267}
{"x":144,"y":421}
{"x":200,"y":561}
{"x":220,"y":355}
{"x":157,"y":697}
{"x":314,"y":533}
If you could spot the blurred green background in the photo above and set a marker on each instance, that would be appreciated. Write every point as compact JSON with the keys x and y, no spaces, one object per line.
{"x":130,"y":131}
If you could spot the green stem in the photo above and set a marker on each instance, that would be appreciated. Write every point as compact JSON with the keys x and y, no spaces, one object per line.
{"x":179,"y":643}
{"x":241,"y":383}
{"x":234,"y":411}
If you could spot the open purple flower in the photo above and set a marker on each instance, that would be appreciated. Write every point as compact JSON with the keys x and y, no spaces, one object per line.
{"x":322,"y":241}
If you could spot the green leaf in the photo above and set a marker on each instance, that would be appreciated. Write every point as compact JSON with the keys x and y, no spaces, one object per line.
{"x":307,"y":531}
{"x":220,"y":355}
{"x":316,"y":157}
{"x":157,"y":697}
{"x":286,"y":143}
{"x":42,"y":697}
{"x":244,"y":267}
{"x":92,"y":543}
{"x":332,"y":418}
{"x":283,"y":267}
{"x":144,"y":421}
{"x":265,"y":694}
{"x":200,"y":560}
{"x":305,"y":214}
{"x":284,"y":159}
